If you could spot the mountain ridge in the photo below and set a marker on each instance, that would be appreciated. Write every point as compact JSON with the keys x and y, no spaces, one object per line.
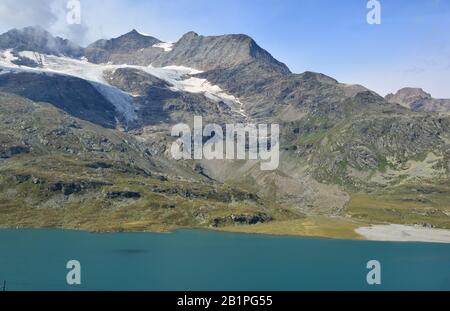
{"x":39,"y":40}
{"x":339,"y":143}
{"x":417,"y":99}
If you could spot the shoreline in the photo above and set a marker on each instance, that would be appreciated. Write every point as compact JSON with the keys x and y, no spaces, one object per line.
{"x":404,"y":233}
{"x":381,"y":233}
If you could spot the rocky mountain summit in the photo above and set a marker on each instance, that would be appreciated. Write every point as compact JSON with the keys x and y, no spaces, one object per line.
{"x":417,"y":99}
{"x":39,"y":40}
{"x":85,"y":140}
{"x":121,"y":49}
{"x":192,"y":50}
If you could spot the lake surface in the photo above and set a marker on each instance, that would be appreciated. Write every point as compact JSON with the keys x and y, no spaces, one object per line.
{"x":207,"y":260}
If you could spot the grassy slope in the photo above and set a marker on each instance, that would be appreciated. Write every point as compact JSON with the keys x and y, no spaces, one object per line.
{"x":63,"y":150}
{"x":405,"y":207}
{"x":164,"y":204}
{"x":26,"y":204}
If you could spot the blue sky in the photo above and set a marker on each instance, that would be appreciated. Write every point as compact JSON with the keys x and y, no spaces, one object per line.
{"x":411,"y":47}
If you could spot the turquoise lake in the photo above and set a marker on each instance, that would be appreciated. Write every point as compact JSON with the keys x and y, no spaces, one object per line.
{"x":207,"y":260}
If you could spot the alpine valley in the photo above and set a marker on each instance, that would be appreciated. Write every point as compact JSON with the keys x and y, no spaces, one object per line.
{"x":85,"y":138}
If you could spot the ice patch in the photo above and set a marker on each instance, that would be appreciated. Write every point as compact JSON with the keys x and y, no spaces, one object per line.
{"x":7,"y":65}
{"x":34,"y":56}
{"x":166,"y":46}
{"x":7,"y":58}
{"x":121,"y":101}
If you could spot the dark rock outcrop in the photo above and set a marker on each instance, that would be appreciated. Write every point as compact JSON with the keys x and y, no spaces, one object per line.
{"x":99,"y":165}
{"x":68,"y":188}
{"x":123,"y":195}
{"x":226,"y":197}
{"x":8,"y":152}
{"x":242,"y":219}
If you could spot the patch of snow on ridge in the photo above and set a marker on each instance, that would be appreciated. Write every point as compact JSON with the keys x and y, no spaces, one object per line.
{"x":34,"y":56}
{"x":180,"y":78}
{"x":171,"y":74}
{"x":142,"y":33}
{"x":213,"y":92}
{"x":166,"y":46}
{"x":7,"y":65}
{"x":7,"y":57}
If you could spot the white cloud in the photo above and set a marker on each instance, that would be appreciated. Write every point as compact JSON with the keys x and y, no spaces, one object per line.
{"x":49,"y":14}
{"x":18,"y":14}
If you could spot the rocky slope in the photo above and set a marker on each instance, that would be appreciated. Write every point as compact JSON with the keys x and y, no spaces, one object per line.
{"x":192,"y":50}
{"x":122,"y":49}
{"x":59,"y":171}
{"x":418,"y":100}
{"x":75,"y":96}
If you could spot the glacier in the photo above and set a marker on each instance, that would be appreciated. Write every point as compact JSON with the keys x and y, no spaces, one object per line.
{"x":179,"y":77}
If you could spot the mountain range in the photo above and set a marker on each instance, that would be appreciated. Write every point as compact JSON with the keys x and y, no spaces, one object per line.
{"x":417,"y":99}
{"x":85,"y":140}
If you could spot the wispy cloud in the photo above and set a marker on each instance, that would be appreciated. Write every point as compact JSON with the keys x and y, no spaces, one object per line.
{"x":49,"y":14}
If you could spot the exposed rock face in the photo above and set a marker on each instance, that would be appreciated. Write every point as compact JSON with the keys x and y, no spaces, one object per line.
{"x":192,"y":50}
{"x":38,"y":40}
{"x":158,"y":103}
{"x":417,"y":99}
{"x":208,"y":53}
{"x":122,"y":49}
{"x":289,"y":97}
{"x":135,"y":81}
